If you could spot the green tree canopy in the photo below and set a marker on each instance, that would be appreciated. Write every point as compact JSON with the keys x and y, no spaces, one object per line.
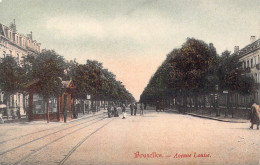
{"x":12,"y":76}
{"x":49,"y":67}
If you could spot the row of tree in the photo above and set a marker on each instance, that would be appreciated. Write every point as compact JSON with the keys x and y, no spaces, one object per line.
{"x":196,"y":70}
{"x":50,"y":69}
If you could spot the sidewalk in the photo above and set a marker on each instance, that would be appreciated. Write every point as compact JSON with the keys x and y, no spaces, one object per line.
{"x":221,"y":118}
{"x":25,"y":120}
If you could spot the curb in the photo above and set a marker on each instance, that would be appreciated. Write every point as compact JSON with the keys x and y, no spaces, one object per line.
{"x":212,"y":118}
{"x":87,"y":116}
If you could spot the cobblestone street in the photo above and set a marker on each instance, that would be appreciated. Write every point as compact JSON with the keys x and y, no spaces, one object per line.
{"x":155,"y":138}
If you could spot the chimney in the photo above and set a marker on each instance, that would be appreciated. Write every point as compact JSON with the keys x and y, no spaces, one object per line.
{"x":13,"y":26}
{"x":30,"y":35}
{"x":252,"y":39}
{"x":236,"y":49}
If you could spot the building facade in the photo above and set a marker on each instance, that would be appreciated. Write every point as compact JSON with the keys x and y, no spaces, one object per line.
{"x":249,"y":58}
{"x":18,"y":46}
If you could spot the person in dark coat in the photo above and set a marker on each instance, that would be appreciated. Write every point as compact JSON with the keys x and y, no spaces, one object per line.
{"x":131,"y":108}
{"x":141,"y":110}
{"x":115,"y":112}
{"x":109,"y":111}
{"x":255,"y":116}
{"x":123,"y":111}
{"x":135,"y":108}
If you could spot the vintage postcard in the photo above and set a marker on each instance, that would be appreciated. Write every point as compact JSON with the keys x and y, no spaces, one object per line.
{"x":122,"y":82}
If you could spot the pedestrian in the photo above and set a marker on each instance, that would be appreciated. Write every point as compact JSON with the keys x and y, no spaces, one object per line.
{"x":141,"y":110}
{"x":123,"y":111}
{"x":255,"y":116}
{"x":87,"y":108}
{"x":65,"y":115}
{"x":131,"y":108}
{"x":109,"y":111}
{"x":135,"y":108}
{"x":18,"y":113}
{"x":115,"y":112}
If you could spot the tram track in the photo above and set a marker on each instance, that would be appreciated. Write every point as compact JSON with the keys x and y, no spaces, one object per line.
{"x":81,"y":142}
{"x":69,"y":123}
{"x":34,"y":151}
{"x":42,"y":137}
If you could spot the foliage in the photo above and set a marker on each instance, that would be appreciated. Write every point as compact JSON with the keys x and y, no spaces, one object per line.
{"x":12,"y":76}
{"x":232,"y":77}
{"x":92,"y":78}
{"x":196,"y":69}
{"x":48,"y":68}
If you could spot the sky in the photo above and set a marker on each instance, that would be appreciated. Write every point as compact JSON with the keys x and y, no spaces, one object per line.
{"x":132,"y":37}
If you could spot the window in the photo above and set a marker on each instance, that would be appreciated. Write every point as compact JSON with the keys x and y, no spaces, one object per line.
{"x":251,"y":62}
{"x":11,"y":53}
{"x":53,"y":105}
{"x":247,"y":64}
{"x":38,"y":104}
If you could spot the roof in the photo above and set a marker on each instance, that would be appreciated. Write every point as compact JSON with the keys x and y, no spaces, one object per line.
{"x":249,"y":48}
{"x":65,"y":84}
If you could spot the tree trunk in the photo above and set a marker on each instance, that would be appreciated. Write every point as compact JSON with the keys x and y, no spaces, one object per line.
{"x":30,"y":110}
{"x":204,"y":101}
{"x":184,"y":104}
{"x":196,"y":101}
{"x":48,"y":111}
{"x":7,"y":103}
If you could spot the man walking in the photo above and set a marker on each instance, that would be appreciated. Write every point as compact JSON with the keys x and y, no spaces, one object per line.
{"x":65,"y":115}
{"x":141,"y":110}
{"x":135,"y":108}
{"x":131,"y":108}
{"x":255,"y":116}
{"x":109,"y":111}
{"x":123,"y":111}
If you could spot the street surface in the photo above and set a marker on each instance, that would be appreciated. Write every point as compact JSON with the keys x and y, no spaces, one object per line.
{"x":155,"y":138}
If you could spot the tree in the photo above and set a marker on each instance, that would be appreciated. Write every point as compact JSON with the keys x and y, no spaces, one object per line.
{"x":48,"y":68}
{"x":188,"y":71}
{"x":93,"y":79}
{"x":232,"y":77}
{"x":88,"y":78}
{"x":12,"y":77}
{"x":193,"y":68}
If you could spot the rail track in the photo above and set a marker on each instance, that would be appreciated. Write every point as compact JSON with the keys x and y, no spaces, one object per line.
{"x":80,"y":143}
{"x":52,"y":133}
{"x":69,"y":123}
{"x":34,"y":151}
